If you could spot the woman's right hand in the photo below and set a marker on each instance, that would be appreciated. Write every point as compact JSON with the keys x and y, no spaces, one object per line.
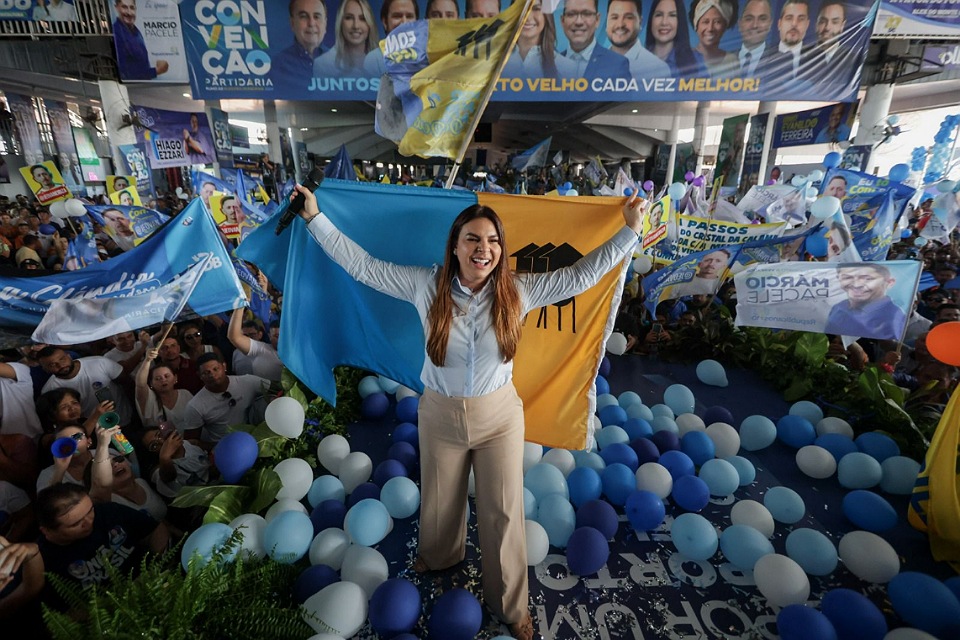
{"x":104,"y":435}
{"x":102,"y":408}
{"x":310,"y":206}
{"x":152,"y":354}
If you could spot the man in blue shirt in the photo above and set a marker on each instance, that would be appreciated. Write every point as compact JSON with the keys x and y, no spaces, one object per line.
{"x":132,"y":57}
{"x":867,"y":312}
{"x":580,"y":20}
{"x":292,"y":68}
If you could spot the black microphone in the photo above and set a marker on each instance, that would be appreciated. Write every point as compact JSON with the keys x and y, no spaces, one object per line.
{"x":297,"y":201}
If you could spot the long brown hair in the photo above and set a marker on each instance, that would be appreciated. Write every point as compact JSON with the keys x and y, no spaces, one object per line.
{"x":506,"y":300}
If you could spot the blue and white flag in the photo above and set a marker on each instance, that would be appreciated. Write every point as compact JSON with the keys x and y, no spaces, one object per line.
{"x":340,"y":167}
{"x":78,"y":320}
{"x":535,"y":156}
{"x":872,"y":235}
{"x":259,"y":299}
{"x":127,"y":226}
{"x":82,"y":250}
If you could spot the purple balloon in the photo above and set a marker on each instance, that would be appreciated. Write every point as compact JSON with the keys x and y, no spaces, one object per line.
{"x":688,"y":176}
{"x":235,"y":454}
{"x":698,"y":181}
{"x":648,"y":185}
{"x":771,"y":181}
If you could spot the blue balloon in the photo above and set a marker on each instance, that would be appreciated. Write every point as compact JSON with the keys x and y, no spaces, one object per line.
{"x":618,"y":482}
{"x":662,"y":410}
{"x":611,"y":435}
{"x":899,"y":172}
{"x":664,"y":423}
{"x":694,"y":536}
{"x":543,"y":479}
{"x":401,"y":497}
{"x":629,"y":398}
{"x":530,"y":504}
{"x":606,"y":400}
{"x":368,"y":522}
{"x":906,"y":233}
{"x":628,"y":191}
{"x":832,"y":160}
{"x":816,"y":245}
{"x":604,"y":366}
{"x":235,"y":454}
{"x":806,"y":409}
{"x":325,"y":488}
{"x":717,"y":413}
{"x":666,"y":441}
{"x":312,"y":580}
{"x":375,"y":406}
{"x":621,"y":453}
{"x":757,"y":432}
{"x":676,"y":191}
{"x":287,"y":537}
{"x":602,"y":385}
{"x":395,"y":607}
{"x":925,"y":603}
{"x":796,"y":431}
{"x":869,"y":511}
{"x":679,"y":398}
{"x":612,"y":415}
{"x":877,"y":445}
{"x":367,"y":490}
{"x":406,"y":432}
{"x":721,"y":477}
{"x":745,"y":469}
{"x":677,"y":463}
{"x":799,"y":622}
{"x":813,"y":551}
{"x":899,"y":475}
{"x":784,"y":504}
{"x":456,"y":615}
{"x":698,"y":446}
{"x":584,"y":485}
{"x":207,"y":540}
{"x":640,"y":411}
{"x":743,"y":546}
{"x":837,"y":444}
{"x":555,"y":514}
{"x":406,"y":410}
{"x":645,"y":449}
{"x":599,"y":515}
{"x":853,"y":615}
{"x":637,"y":428}
{"x":387,"y":469}
{"x":690,"y":493}
{"x":404,"y":453}
{"x":645,"y":510}
{"x":587,"y":551}
{"x":329,"y":514}
{"x":859,"y":471}
{"x":954,"y":585}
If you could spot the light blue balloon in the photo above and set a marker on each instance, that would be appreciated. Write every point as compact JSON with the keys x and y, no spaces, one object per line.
{"x":590,"y":460}
{"x":743,"y":546}
{"x":679,"y":398}
{"x":816,"y":175}
{"x":388,"y":385}
{"x":858,"y":470}
{"x":287,"y":537}
{"x":899,"y":172}
{"x":606,"y":400}
{"x":609,"y":435}
{"x":694,"y":536}
{"x":798,"y":180}
{"x":544,"y":479}
{"x":745,"y":469}
{"x":326,"y":488}
{"x":721,"y":477}
{"x":946,"y":186}
{"x":824,"y":207}
{"x":369,"y":385}
{"x":806,"y":409}
{"x":812,"y":192}
{"x":640,"y":411}
{"x":206,"y":540}
{"x":893,"y":119}
{"x":558,"y":519}
{"x":529,"y":505}
{"x":712,"y":372}
{"x":676,"y":191}
{"x":899,"y":475}
{"x":663,"y":423}
{"x":784,"y":504}
{"x":757,"y":432}
{"x":661,"y":410}
{"x":628,"y":399}
{"x":401,"y":497}
{"x":813,"y":551}
{"x":367,"y":522}
{"x":832,"y":160}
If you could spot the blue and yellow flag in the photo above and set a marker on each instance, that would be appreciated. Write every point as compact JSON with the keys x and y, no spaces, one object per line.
{"x":329,"y":319}
{"x":437,"y":72}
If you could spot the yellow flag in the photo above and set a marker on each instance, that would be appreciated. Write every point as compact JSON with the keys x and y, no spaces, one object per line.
{"x":465,"y":57}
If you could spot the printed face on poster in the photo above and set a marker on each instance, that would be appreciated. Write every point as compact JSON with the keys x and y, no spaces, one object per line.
{"x":175,"y":138}
{"x":127,"y":197}
{"x":228,"y":214}
{"x":827,"y":125}
{"x":148,"y":41}
{"x":119,"y":183}
{"x":45,"y":181}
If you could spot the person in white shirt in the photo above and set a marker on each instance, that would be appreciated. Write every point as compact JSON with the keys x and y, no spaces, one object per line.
{"x":222,"y":402}
{"x":59,"y":11}
{"x":623,"y":29}
{"x":471,"y":309}
{"x":262,"y":358}
{"x":755,"y":24}
{"x":18,"y":414}
{"x":92,"y":377}
{"x":127,"y":350}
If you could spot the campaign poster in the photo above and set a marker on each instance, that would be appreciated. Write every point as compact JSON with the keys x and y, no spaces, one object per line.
{"x":119,"y":183}
{"x":128,"y":226}
{"x":909,"y":19}
{"x":696,"y":234}
{"x":856,"y":157}
{"x":941,"y":58}
{"x":135,"y":165}
{"x":127,"y":197}
{"x":175,"y":138}
{"x":222,"y":141}
{"x":730,"y":151}
{"x":655,"y":222}
{"x":227,"y":213}
{"x":266,"y":50}
{"x":753,"y":153}
{"x":863,"y":299}
{"x":25,"y":121}
{"x":685,"y":160}
{"x":148,"y":41}
{"x":39,"y":11}
{"x":67,"y":157}
{"x":45,"y":181}
{"x":775,"y":203}
{"x":826,"y":125}
{"x":86,"y":150}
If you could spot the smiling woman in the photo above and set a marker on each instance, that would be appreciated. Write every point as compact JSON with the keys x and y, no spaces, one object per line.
{"x":356,"y":36}
{"x":711,"y":19}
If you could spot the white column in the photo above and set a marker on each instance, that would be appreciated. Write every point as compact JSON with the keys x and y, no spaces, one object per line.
{"x":700,"y":132}
{"x":672,"y":135}
{"x":116,"y":102}
{"x":273,"y":130}
{"x":768,"y":153}
{"x":873,"y":114}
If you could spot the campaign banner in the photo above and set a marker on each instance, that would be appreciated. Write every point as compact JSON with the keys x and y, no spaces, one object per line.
{"x":186,"y":239}
{"x":148,"y":41}
{"x":128,"y":226}
{"x":829,"y":124}
{"x":302,"y":158}
{"x":699,"y":273}
{"x":45,"y":181}
{"x":862,"y":299}
{"x":856,"y":157}
{"x":119,"y":183}
{"x":730,"y":150}
{"x":25,"y":121}
{"x":775,"y":202}
{"x":861,"y":193}
{"x":127,"y":197}
{"x":67,"y":157}
{"x":34,"y":11}
{"x":695,"y":234}
{"x":86,"y":150}
{"x":136,"y":165}
{"x":222,"y":140}
{"x":685,"y":159}
{"x":753,"y":153}
{"x":909,"y":19}
{"x":940,"y":58}
{"x":655,"y":223}
{"x":257,"y":49}
{"x":175,"y":138}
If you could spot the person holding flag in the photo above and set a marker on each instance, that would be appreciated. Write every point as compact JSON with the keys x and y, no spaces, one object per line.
{"x":471,"y":309}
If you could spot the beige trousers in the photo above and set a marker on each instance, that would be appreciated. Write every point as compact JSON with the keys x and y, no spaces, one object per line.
{"x":487,"y":433}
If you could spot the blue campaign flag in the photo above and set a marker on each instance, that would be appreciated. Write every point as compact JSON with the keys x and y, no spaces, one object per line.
{"x":259,"y":299}
{"x":535,"y":156}
{"x":315,"y":287}
{"x":82,"y":250}
{"x":872,"y":236}
{"x":695,"y":274}
{"x":187,"y":238}
{"x":341,"y":167}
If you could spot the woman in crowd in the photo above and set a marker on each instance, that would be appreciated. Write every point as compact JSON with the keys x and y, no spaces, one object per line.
{"x":191,"y":341}
{"x":110,"y":478}
{"x":356,"y":36}
{"x":668,"y":39}
{"x":535,"y":54}
{"x":61,"y":408}
{"x":711,"y":19}
{"x":470,"y":415}
{"x":68,"y":468}
{"x":159,"y":402}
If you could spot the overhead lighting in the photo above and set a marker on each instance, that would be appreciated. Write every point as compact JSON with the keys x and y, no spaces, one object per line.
{"x":333,"y":110}
{"x":187,"y":95}
{"x":634,"y":111}
{"x":303,"y":129}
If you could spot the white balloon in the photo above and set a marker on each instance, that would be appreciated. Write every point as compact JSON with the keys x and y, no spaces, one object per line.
{"x":251,"y":525}
{"x":58,"y":210}
{"x":284,"y":504}
{"x":341,"y":607}
{"x":329,"y":547}
{"x":781,"y":580}
{"x":388,"y":385}
{"x":869,"y":557}
{"x":532,"y":453}
{"x":562,"y":459}
{"x":834,"y":425}
{"x":572,"y":192}
{"x":688,"y":422}
{"x":179,"y":191}
{"x":726,"y":439}
{"x":908,"y":633}
{"x":753,"y":514}
{"x":642,"y":265}
{"x":816,"y":462}
{"x":75,"y":208}
{"x":654,"y":477}
{"x":331,"y":451}
{"x":296,"y":476}
{"x":364,"y":566}
{"x":405,"y":392}
{"x":285,"y":417}
{"x":355,"y":469}
{"x":538,"y":544}
{"x":617,"y":344}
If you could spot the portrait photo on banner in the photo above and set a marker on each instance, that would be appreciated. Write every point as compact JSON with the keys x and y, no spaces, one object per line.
{"x":607,"y":50}
{"x":119,"y":183}
{"x":45,"y":181}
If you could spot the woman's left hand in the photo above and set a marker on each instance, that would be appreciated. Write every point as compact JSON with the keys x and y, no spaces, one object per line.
{"x":634,"y":209}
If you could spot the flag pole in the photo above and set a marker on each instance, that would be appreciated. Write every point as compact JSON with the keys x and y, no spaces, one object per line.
{"x":487,"y":94}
